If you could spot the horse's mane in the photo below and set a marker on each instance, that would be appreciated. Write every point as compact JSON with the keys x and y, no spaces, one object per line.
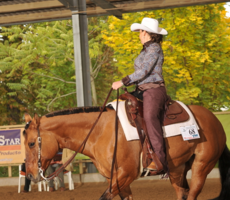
{"x":75,"y":111}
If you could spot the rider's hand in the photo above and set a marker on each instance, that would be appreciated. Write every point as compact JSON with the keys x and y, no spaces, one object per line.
{"x":117,"y":85}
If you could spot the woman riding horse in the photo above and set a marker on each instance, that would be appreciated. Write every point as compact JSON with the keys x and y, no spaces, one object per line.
{"x":149,"y":79}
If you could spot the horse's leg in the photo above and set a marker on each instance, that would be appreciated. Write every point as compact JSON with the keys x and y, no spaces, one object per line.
{"x":125,"y":194}
{"x":123,"y":188}
{"x":106,"y":195}
{"x":179,"y":182}
{"x":178,"y":178}
{"x":200,"y":170}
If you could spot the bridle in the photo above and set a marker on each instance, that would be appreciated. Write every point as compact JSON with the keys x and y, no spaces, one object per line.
{"x":39,"y":151}
{"x":54,"y":174}
{"x":39,"y":157}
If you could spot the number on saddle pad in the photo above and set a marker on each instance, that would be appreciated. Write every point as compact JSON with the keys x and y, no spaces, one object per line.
{"x":189,"y":132}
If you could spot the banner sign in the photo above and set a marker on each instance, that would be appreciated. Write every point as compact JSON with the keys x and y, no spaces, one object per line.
{"x":12,"y":148}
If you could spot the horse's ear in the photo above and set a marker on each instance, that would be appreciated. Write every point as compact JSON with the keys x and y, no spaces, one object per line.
{"x":27,"y":117}
{"x":36,"y":119}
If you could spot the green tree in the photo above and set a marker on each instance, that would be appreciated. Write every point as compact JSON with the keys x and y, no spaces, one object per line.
{"x":29,"y":54}
{"x":42,"y":56}
{"x":102,"y":63}
{"x":12,"y":104}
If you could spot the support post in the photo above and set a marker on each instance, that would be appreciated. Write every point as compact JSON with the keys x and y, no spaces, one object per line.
{"x":9,"y":171}
{"x":81,"y":54}
{"x":77,"y":60}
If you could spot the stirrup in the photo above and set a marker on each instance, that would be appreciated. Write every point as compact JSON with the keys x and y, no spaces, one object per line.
{"x":147,"y":172}
{"x":153,"y":172}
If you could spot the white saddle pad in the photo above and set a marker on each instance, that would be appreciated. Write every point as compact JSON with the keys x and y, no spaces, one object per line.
{"x":168,"y":131}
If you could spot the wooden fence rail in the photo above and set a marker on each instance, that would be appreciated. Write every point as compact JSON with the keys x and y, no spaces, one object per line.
{"x":80,"y":162}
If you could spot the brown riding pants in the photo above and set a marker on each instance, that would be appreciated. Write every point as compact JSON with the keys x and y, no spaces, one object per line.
{"x":153,"y":104}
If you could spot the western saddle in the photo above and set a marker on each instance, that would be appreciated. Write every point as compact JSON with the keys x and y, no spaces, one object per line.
{"x":174,"y":113}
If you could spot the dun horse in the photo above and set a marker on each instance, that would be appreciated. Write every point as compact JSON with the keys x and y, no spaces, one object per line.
{"x":58,"y":130}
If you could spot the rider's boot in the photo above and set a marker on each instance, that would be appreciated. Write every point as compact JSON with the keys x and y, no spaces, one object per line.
{"x":156,"y":166}
{"x":152,"y":166}
{"x":153,"y":169}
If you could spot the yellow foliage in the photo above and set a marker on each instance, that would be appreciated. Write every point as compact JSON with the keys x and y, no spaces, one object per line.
{"x":187,"y":95}
{"x":197,"y":44}
{"x":111,"y":26}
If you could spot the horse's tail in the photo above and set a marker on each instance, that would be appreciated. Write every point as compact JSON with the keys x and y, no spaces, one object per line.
{"x":224,"y":167}
{"x":224,"y":164}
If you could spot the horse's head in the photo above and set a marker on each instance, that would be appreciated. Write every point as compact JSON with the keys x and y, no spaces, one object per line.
{"x":48,"y":147}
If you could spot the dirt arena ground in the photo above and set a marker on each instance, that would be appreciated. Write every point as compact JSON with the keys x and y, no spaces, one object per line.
{"x":142,"y":190}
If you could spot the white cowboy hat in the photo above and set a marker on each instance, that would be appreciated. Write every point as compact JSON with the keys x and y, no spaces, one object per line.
{"x":150,"y":25}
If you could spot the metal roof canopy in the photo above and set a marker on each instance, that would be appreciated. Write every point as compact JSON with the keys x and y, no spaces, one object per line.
{"x":14,"y":12}
{"x":28,"y":11}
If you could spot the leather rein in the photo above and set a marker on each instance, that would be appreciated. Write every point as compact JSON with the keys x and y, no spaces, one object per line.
{"x":54,"y":174}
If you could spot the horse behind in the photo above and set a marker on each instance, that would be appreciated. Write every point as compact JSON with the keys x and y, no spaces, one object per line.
{"x":68,"y":129}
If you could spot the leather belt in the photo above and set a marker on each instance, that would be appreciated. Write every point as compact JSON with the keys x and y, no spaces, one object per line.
{"x":147,"y":86}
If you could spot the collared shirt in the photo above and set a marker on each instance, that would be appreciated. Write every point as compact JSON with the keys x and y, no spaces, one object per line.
{"x":148,"y":65}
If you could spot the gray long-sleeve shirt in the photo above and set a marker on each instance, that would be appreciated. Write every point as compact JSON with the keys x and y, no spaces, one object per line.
{"x":148,"y":65}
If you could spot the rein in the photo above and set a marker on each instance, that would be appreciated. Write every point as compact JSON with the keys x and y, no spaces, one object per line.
{"x":54,"y":174}
{"x":115,"y":147}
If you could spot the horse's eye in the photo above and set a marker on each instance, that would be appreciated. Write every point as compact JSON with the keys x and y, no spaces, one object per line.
{"x":31,"y":144}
